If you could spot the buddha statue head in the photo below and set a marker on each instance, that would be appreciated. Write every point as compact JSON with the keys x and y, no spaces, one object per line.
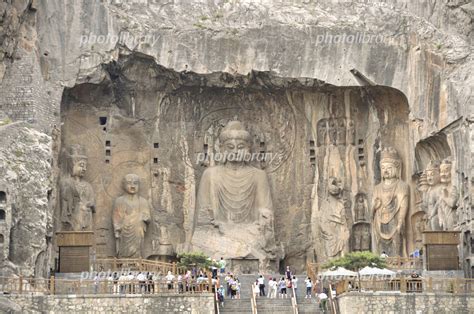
{"x":77,"y":161}
{"x":445,"y":171}
{"x":335,"y":186}
{"x":234,"y":142}
{"x":131,"y":183}
{"x":390,"y":164}
{"x":432,"y":173}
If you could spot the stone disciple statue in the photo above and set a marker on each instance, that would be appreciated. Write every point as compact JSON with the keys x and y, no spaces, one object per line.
{"x":77,"y":195}
{"x":390,"y":199}
{"x":335,"y":231}
{"x":234,"y":206}
{"x":131,"y":215}
{"x":448,"y":197}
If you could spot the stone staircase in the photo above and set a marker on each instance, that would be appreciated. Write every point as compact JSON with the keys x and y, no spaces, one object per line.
{"x":266,"y":305}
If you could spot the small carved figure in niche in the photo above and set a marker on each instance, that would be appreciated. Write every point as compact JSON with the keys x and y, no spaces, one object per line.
{"x":131,"y":215}
{"x":322,"y":132}
{"x":234,"y":204}
{"x":332,"y":131}
{"x":448,"y":198}
{"x":335,"y":225}
{"x":341,"y":132}
{"x":350,"y":133}
{"x":361,"y":237}
{"x":360,"y":208}
{"x":431,"y":199}
{"x":77,"y":195}
{"x":391,"y":200}
{"x":418,"y":222}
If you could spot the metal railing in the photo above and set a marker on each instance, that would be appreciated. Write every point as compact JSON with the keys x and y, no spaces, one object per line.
{"x":253,"y":300}
{"x":10,"y":285}
{"x":294,"y":303}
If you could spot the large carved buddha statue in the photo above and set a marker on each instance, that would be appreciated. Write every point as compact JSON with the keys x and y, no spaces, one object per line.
{"x":234,"y":206}
{"x":390,"y":206}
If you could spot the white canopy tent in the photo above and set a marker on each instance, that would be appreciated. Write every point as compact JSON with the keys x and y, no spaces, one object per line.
{"x":339,"y":273}
{"x":374,"y":271}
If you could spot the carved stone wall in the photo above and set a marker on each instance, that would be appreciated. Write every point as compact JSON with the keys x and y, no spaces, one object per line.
{"x":164,"y":126}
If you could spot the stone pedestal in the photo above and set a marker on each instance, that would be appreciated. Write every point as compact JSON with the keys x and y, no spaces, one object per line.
{"x":441,"y":250}
{"x":75,"y":250}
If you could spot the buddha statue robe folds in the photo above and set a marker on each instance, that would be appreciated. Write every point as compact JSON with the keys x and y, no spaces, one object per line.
{"x":234,"y":211}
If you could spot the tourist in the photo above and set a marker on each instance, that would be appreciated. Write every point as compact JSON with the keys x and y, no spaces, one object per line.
{"x":288,"y":273}
{"x":289,"y":286}
{"x":238,"y":287}
{"x":294,"y":283}
{"x":270,"y":287}
{"x":116,"y":279}
{"x":274,"y":289}
{"x":322,"y":301}
{"x":383,"y":255}
{"x":226,"y":279}
{"x":220,"y":295}
{"x":282,"y":287}
{"x":309,"y":287}
{"x":141,"y":277}
{"x":169,"y":280}
{"x":233,"y":287}
{"x":222,"y":265}
{"x":256,"y":288}
{"x":96,"y":283}
{"x":261,"y":285}
{"x":151,"y":285}
{"x":214,"y":268}
{"x":180,"y":284}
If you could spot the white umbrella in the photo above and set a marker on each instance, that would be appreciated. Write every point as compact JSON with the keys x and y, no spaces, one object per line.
{"x":374,"y":271}
{"x":339,"y":272}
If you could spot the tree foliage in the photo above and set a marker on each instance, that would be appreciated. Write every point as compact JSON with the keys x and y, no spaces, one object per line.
{"x":357,"y":260}
{"x":195,"y":259}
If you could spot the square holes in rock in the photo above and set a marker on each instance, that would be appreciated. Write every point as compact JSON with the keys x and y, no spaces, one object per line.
{"x":107,"y":161}
{"x":262,"y":144}
{"x":107,"y":143}
{"x":155,"y":160}
{"x":312,"y":152}
{"x":205,"y":147}
{"x":102,"y":120}
{"x":107,"y":152}
{"x":2,"y":214}
{"x":311,"y":143}
{"x":156,"y":145}
{"x":3,"y":197}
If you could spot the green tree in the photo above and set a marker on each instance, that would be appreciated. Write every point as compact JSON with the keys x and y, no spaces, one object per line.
{"x":195,"y":259}
{"x":355,"y":261}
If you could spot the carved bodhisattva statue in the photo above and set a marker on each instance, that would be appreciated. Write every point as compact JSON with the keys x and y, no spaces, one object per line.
{"x":77,"y":195}
{"x":390,"y":206}
{"x":448,"y":197}
{"x":432,"y":196}
{"x":234,"y":205}
{"x":131,"y":215}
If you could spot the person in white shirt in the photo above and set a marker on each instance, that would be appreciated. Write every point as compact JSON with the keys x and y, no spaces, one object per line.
{"x":141,"y":281}
{"x":270,"y":287}
{"x":261,"y":285}
{"x":169,"y":280}
{"x":294,"y":282}
{"x":256,"y":288}
{"x":309,"y":287}
{"x":323,"y":297}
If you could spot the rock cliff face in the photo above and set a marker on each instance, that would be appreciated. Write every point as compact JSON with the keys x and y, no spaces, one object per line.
{"x":167,"y":72}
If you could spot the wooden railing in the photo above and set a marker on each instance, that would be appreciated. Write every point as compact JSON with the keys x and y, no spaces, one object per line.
{"x":404,"y":263}
{"x":20,"y":285}
{"x":115,"y":264}
{"x":440,"y":285}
